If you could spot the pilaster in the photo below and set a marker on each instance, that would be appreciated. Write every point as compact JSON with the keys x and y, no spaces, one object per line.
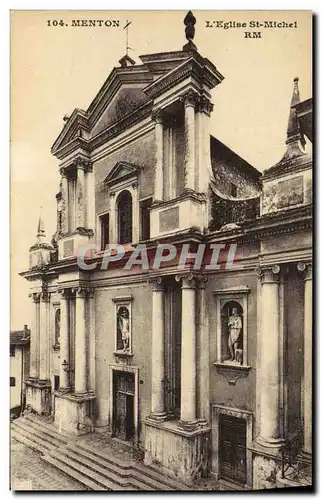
{"x":306,"y":271}
{"x":64,"y":201}
{"x":190,"y":100}
{"x":157,"y":117}
{"x":80,"y":194}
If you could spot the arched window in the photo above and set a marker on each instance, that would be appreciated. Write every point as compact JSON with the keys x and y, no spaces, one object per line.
{"x":57,"y":327}
{"x":124,"y":217}
{"x":232,"y":332}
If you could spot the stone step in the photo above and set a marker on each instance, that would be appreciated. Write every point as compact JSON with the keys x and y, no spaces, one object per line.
{"x":71,"y":472}
{"x":30,"y":431}
{"x":146,"y":474}
{"x":46,"y":429}
{"x":106,"y":469}
{"x":86,"y":472}
{"x":21,"y":438}
{"x":48,"y":426}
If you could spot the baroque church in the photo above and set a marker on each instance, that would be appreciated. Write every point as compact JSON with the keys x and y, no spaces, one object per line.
{"x":208,"y":371}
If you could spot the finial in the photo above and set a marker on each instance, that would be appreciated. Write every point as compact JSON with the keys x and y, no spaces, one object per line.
{"x":41,"y":232}
{"x":126,"y":61}
{"x":293,"y":126}
{"x":294,"y":136}
{"x":190,"y":22}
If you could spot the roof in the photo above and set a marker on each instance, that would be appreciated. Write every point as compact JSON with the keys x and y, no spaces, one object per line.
{"x":219,"y":149}
{"x":20,"y":337}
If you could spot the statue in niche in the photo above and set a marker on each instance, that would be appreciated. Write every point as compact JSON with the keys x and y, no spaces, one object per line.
{"x":57,"y":327}
{"x":235,"y":326}
{"x":123,"y":329}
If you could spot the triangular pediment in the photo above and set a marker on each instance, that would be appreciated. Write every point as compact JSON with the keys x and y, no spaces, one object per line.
{"x":121,"y":94}
{"x":121,"y":171}
{"x":76,"y":126}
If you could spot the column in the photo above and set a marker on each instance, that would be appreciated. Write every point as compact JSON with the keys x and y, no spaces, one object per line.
{"x":188,"y":355}
{"x":113,"y":238}
{"x":159,"y":174}
{"x":64,"y":201}
{"x":90,"y":198}
{"x":64,"y":341}
{"x":190,"y":100}
{"x":34,"y":337}
{"x":270,"y":418}
{"x":135,"y":214}
{"x":203,"y":355}
{"x":92,"y":343}
{"x":157,"y":401}
{"x":43,"y":337}
{"x":80,"y":194}
{"x":307,"y":268}
{"x":203,"y":160}
{"x":80,"y":343}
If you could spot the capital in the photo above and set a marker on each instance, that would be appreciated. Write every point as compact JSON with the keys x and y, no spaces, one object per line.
{"x":63,"y":172}
{"x":83,"y":292}
{"x":64,"y":293}
{"x":157,"y":115}
{"x":204,"y":105}
{"x":83,"y":164}
{"x":201,"y":282}
{"x":35,"y":297}
{"x":157,"y":284}
{"x":268,"y":274}
{"x":306,"y":269}
{"x":191,"y":98}
{"x":188,"y":281}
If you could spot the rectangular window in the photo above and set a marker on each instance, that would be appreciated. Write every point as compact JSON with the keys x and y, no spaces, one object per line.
{"x":105,"y":229}
{"x":233,"y":190}
{"x":12,"y":382}
{"x":145,"y":218}
{"x":12,"y":351}
{"x":56,"y":382}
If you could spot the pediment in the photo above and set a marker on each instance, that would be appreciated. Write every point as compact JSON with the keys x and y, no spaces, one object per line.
{"x":121,"y":94}
{"x":76,"y":127}
{"x":121,"y":171}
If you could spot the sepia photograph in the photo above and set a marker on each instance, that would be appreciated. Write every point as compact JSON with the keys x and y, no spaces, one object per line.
{"x":161,"y":207}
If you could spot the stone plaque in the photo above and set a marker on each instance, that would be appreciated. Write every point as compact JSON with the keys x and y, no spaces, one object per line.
{"x":169,"y":219}
{"x":290,"y":192}
{"x":68,"y":248}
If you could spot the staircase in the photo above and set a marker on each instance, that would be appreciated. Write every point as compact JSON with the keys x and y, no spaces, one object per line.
{"x":94,"y":466}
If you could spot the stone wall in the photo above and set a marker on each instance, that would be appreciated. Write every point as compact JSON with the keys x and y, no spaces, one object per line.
{"x":140,"y":152}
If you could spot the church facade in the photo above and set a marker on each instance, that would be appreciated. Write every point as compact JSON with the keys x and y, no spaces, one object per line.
{"x":206,"y":369}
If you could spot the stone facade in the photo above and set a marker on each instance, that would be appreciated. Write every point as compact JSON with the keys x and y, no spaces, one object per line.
{"x":139,"y":354}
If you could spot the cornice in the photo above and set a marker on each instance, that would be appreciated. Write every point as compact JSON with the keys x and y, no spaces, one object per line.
{"x":89,"y":145}
{"x":284,"y":168}
{"x":195,"y":66}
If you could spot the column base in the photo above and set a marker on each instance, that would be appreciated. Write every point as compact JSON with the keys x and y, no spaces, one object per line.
{"x":188,"y":425}
{"x":271,"y":443}
{"x":267,"y":464}
{"x":74,"y":413}
{"x":38,"y":396}
{"x":176,"y":452}
{"x":158,"y":417}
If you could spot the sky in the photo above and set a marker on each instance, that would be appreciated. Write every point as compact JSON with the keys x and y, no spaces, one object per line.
{"x":57,"y":68}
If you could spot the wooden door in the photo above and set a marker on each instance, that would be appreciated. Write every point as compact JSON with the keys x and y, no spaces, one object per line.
{"x":232,"y":448}
{"x":123,"y":418}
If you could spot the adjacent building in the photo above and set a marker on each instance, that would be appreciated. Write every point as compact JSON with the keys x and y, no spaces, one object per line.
{"x":19,"y":369}
{"x":209,"y":370}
